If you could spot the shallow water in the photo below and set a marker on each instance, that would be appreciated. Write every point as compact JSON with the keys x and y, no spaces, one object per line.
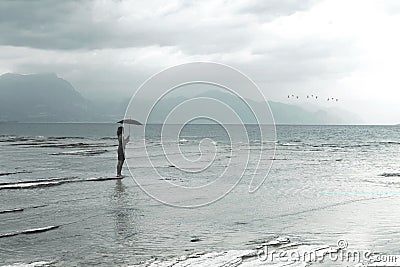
{"x":327,"y":183}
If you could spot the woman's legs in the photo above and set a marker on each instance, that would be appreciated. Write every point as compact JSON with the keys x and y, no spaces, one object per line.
{"x":119,"y":167}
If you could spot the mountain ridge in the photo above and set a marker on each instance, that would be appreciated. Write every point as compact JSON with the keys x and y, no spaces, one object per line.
{"x":46,"y":97}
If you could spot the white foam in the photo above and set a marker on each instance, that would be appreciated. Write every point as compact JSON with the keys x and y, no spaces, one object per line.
{"x":289,"y":144}
{"x":278,"y":252}
{"x":230,"y":258}
{"x":30,"y":231}
{"x":33,"y":264}
{"x":30,"y":185}
{"x":80,"y":152}
{"x":53,"y":182}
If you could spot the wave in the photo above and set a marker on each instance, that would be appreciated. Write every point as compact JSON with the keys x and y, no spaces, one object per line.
{"x":328,"y":147}
{"x":15,"y":210}
{"x":101,"y":179}
{"x":11,"y":210}
{"x":38,"y":183}
{"x":32,"y":264}
{"x":289,"y":144}
{"x":52,"y":182}
{"x":16,"y":139}
{"x":11,"y":173}
{"x":52,"y":143}
{"x":64,"y":137}
{"x":80,"y":153}
{"x":30,"y":185}
{"x":388,"y":174}
{"x":30,"y":231}
{"x":40,"y":180}
{"x":388,"y":143}
{"x":108,"y":138}
{"x":76,"y":145}
{"x":259,"y":256}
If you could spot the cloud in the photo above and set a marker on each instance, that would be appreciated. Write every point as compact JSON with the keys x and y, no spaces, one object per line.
{"x":107,"y":48}
{"x":276,"y":8}
{"x":40,"y":24}
{"x":198,"y":27}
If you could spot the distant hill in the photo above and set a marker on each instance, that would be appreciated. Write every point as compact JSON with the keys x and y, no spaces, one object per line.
{"x":42,"y":98}
{"x":283,"y":113}
{"x":292,"y":114}
{"x":48,"y":98}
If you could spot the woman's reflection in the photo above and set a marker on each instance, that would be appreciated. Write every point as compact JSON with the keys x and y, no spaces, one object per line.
{"x":124,"y":213}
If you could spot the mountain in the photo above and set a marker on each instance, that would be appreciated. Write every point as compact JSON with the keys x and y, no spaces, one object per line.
{"x":292,"y":114}
{"x":48,"y":98}
{"x":283,"y":113}
{"x":41,"y":98}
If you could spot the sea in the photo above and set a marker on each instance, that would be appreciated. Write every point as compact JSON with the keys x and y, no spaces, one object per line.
{"x":327,"y":196}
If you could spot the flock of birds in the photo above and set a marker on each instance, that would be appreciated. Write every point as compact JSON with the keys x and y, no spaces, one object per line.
{"x":313,"y":96}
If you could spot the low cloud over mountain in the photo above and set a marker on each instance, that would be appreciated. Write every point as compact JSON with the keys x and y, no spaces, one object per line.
{"x":48,"y":98}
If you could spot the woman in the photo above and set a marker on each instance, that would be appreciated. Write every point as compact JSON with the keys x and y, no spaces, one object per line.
{"x":121,"y":149}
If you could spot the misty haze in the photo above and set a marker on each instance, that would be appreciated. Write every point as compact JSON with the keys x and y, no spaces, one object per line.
{"x":199,"y":133}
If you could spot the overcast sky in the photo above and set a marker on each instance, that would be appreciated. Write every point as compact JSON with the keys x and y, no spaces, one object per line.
{"x":347,"y":49}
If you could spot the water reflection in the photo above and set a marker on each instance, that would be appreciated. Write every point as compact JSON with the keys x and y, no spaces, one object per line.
{"x":125,"y":214}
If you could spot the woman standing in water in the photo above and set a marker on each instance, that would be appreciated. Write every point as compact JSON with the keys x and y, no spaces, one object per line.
{"x":121,"y":149}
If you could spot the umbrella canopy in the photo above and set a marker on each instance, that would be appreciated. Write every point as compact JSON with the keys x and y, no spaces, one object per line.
{"x":130,"y":121}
